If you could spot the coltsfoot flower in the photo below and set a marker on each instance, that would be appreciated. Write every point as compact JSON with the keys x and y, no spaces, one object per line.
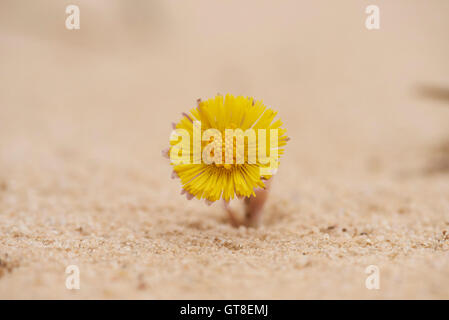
{"x":225,"y":148}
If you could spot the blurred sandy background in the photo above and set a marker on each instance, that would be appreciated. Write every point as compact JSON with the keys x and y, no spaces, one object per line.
{"x":84,"y":115}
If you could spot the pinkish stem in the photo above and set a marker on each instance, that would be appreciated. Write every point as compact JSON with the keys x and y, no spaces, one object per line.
{"x":253,"y":208}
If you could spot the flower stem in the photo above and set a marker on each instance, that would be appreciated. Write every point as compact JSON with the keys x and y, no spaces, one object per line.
{"x":253,"y":208}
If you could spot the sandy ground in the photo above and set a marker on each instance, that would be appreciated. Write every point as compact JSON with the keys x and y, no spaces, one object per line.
{"x":84,"y":115}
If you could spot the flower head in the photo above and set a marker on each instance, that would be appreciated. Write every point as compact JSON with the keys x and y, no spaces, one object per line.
{"x":226,"y":147}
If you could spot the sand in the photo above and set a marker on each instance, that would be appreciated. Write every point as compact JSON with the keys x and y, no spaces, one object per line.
{"x":85,"y":114}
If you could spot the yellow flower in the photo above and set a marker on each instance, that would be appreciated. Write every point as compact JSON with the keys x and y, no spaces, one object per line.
{"x":228,"y":147}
